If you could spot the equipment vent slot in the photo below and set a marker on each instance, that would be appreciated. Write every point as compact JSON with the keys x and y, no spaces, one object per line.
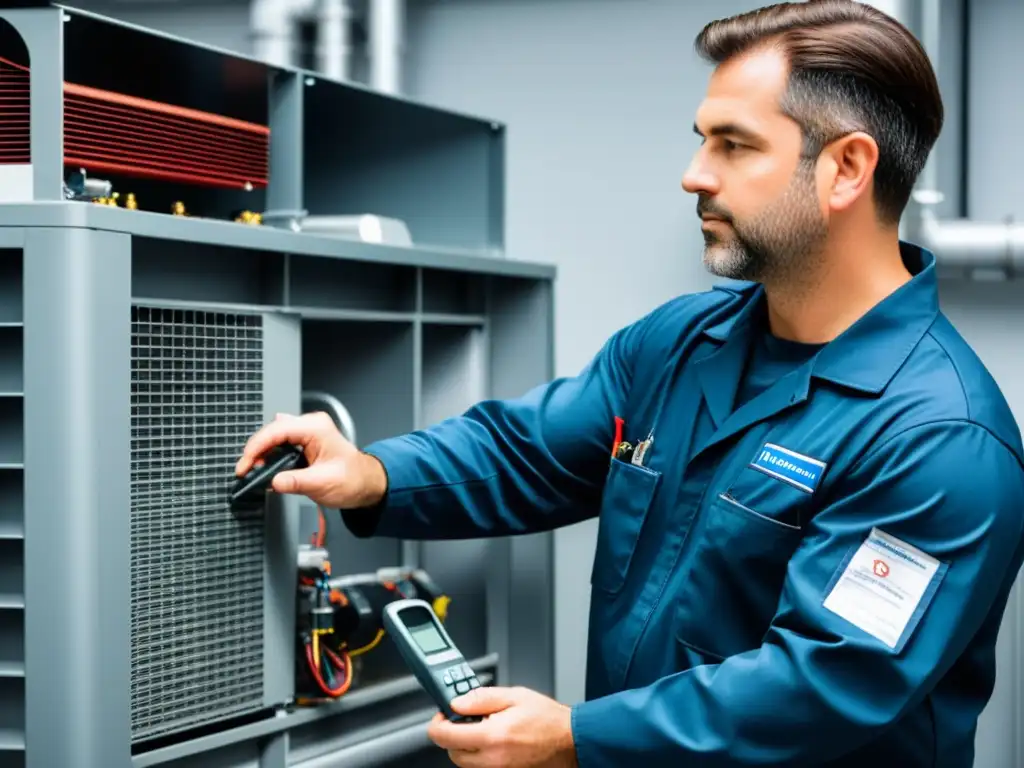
{"x":12,"y":644}
{"x":12,"y":573}
{"x":12,"y":504}
{"x":11,"y":357}
{"x":197,"y":571}
{"x":12,"y":718}
{"x":12,"y":431}
{"x":11,"y":303}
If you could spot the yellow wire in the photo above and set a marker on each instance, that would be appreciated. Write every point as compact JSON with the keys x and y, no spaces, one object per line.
{"x":370,"y":646}
{"x":316,"y":649}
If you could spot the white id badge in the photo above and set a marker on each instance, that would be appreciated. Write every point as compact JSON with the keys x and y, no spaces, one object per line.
{"x":882,"y":586}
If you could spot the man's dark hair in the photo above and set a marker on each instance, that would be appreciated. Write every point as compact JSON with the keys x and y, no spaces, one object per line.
{"x":851,"y":68}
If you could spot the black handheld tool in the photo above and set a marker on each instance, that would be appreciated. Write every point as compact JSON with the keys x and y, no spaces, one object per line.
{"x":249,"y":491}
{"x":430,"y":654}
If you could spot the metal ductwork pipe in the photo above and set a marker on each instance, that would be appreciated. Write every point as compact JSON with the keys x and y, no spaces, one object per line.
{"x":973,"y":244}
{"x":957,"y":243}
{"x":274,"y":26}
{"x":274,"y":32}
{"x":387,"y":32}
{"x":333,"y":38}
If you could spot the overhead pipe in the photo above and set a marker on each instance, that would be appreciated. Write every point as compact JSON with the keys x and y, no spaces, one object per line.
{"x":274,"y":27}
{"x":956,"y":243}
{"x":967,"y":244}
{"x":387,"y":33}
{"x":334,"y":38}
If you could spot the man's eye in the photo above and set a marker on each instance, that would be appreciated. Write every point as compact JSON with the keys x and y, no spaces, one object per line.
{"x":729,"y":146}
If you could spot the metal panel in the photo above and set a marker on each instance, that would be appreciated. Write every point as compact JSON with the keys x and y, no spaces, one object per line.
{"x":197,"y":622}
{"x":429,"y":168}
{"x":411,"y":551}
{"x":282,"y":393}
{"x":520,"y":349}
{"x":12,"y":237}
{"x":284,"y":192}
{"x":496,"y":192}
{"x":274,"y":751}
{"x":394,"y":741}
{"x":369,"y":368}
{"x":454,"y":379}
{"x":77,"y":497}
{"x":42,"y":30}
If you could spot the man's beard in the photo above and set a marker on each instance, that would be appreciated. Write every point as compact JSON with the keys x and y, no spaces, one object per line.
{"x":781,"y":245}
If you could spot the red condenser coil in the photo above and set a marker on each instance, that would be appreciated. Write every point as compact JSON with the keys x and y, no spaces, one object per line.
{"x":14,"y":147}
{"x":114,"y":133}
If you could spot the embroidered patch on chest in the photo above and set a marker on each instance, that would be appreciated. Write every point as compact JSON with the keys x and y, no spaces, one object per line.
{"x":791,"y":467}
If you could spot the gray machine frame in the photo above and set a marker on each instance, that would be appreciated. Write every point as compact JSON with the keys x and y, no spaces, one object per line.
{"x":403,"y":336}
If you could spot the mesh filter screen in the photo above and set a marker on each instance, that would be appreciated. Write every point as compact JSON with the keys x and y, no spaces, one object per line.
{"x":197,"y":572}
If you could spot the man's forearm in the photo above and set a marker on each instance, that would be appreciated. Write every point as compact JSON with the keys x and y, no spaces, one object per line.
{"x":506,"y":466}
{"x":490,"y":472}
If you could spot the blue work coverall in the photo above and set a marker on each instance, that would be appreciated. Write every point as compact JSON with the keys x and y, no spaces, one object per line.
{"x":816,"y":577}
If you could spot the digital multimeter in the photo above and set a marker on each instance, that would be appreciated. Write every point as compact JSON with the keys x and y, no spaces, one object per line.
{"x":430,"y":653}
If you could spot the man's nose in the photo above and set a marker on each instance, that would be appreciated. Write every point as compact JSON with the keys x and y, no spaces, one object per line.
{"x":698,"y":179}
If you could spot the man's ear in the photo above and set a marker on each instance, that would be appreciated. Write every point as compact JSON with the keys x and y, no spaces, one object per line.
{"x":854,"y":158}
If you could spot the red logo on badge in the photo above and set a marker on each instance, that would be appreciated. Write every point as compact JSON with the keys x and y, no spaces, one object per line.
{"x":881,"y":568}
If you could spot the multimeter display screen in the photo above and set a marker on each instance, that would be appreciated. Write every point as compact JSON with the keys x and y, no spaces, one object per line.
{"x":423,"y":630}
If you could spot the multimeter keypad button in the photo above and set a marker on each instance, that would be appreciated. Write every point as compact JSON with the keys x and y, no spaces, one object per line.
{"x":474,"y":683}
{"x":467,"y":671}
{"x":447,"y":679}
{"x":457,"y":673}
{"x":462,"y":687}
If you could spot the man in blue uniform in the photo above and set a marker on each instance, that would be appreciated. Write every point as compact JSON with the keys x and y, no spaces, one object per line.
{"x":810,"y":490}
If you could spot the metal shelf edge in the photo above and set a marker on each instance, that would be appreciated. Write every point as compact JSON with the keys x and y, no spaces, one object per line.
{"x":288,"y":720}
{"x":161,"y":226}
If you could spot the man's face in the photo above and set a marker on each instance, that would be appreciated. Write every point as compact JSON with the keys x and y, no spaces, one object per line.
{"x":761,"y":215}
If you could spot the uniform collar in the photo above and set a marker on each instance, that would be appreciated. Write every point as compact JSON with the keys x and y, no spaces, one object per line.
{"x":869,"y":353}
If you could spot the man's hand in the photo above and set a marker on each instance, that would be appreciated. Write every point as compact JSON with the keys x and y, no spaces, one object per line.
{"x":339,"y":476}
{"x":520,"y":729}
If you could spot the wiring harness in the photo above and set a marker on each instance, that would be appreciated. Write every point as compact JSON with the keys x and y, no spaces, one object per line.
{"x":341,"y":618}
{"x":328,"y":669}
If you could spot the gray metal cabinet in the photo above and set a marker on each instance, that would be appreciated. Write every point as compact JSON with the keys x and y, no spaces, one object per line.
{"x":141,"y":624}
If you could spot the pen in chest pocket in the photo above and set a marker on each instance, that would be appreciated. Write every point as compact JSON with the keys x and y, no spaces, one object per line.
{"x":623,"y":450}
{"x":642,"y":449}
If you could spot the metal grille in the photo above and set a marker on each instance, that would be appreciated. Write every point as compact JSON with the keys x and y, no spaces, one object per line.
{"x":197,"y":571}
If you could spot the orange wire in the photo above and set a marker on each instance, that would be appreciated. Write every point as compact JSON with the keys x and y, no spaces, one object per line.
{"x":322,"y":530}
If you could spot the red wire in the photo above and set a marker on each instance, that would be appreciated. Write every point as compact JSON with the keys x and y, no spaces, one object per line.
{"x":343,"y":664}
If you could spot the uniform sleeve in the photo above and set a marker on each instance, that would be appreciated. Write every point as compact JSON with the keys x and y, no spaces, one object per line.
{"x":819,"y":686}
{"x":507,"y":466}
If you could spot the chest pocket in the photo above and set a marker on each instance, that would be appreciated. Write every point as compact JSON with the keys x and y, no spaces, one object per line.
{"x":628,"y":494}
{"x":736,"y":563}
